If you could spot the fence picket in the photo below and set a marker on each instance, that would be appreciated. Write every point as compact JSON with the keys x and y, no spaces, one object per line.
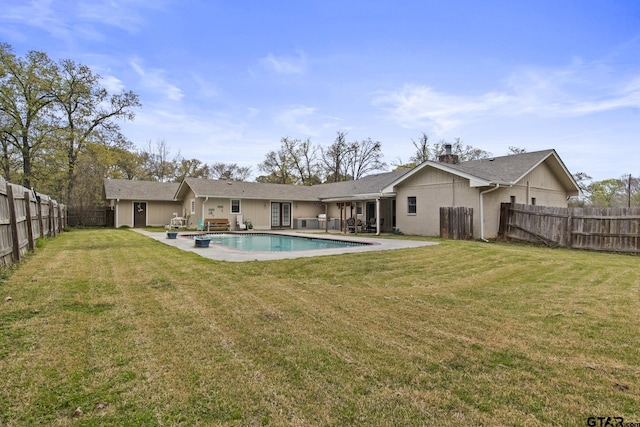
{"x":595,"y":228}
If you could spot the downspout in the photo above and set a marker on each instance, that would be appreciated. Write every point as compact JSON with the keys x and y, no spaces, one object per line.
{"x":377,"y":216}
{"x":117,"y":220}
{"x":206,"y":199}
{"x":482,"y":193}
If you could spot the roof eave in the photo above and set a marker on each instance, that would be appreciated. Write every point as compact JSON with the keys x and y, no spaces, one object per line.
{"x":356,"y":197}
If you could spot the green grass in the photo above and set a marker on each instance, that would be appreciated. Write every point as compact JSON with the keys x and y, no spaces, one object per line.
{"x":134,"y":332}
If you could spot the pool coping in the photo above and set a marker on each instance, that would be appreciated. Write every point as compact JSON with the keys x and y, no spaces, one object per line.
{"x":224,"y":253}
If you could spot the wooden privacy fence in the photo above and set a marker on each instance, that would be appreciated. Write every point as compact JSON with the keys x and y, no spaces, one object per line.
{"x":24,"y":217}
{"x":456,"y":223}
{"x":601,"y":229}
{"x":90,"y":217}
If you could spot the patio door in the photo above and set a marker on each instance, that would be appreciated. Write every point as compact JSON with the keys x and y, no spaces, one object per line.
{"x":280,"y":215}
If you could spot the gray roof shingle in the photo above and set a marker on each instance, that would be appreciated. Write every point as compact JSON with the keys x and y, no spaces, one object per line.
{"x":139,"y":190}
{"x":503,"y":169}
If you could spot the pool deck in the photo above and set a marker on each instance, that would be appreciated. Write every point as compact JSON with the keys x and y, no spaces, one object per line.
{"x":224,"y":253}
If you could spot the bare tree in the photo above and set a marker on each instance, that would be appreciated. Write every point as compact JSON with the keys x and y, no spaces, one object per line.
{"x":335,"y":159}
{"x":516,"y":150}
{"x":157,"y":162}
{"x":303,"y":158}
{"x":423,"y":152}
{"x":464,"y":152}
{"x":229,"y":171}
{"x":364,"y":157}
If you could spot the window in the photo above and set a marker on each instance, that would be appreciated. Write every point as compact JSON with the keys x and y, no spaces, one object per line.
{"x":235,"y":206}
{"x":411,"y":205}
{"x":193,"y":206}
{"x":512,"y":200}
{"x":533,"y":200}
{"x":359,"y":208}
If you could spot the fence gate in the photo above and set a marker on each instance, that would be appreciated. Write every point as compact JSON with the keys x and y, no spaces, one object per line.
{"x":456,"y":223}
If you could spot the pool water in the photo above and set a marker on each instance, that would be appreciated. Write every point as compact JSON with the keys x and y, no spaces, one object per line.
{"x":277,"y":243}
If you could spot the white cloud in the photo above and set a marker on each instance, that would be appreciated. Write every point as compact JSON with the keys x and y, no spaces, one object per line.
{"x":296,"y":119}
{"x":304,"y":120}
{"x":112,"y":84}
{"x":154,"y":79}
{"x":39,"y":14}
{"x":286,"y":65}
{"x":577,"y":90}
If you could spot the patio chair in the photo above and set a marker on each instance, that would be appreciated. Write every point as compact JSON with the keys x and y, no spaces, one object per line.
{"x":372,"y":225}
{"x":351,"y":225}
{"x":240,"y":222}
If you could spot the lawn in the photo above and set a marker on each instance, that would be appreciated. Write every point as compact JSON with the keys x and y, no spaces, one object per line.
{"x":108,"y":327}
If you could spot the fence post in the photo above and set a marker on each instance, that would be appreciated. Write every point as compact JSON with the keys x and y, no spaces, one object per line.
{"x":52,"y":220}
{"x":61,"y":218}
{"x":14,"y":223}
{"x":40,"y":219}
{"x":568,"y":232}
{"x":27,"y":201}
{"x":503,"y":229}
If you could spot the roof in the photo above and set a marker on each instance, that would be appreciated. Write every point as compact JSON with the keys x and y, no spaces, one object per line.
{"x":368,"y":185}
{"x":507,"y":170}
{"x":203,"y":187}
{"x":371,"y":184}
{"x":124,"y":189}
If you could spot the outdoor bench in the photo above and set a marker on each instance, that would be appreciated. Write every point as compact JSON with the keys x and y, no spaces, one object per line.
{"x":217,"y":224}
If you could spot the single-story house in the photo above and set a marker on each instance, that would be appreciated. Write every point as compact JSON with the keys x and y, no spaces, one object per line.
{"x":405,"y":200}
{"x":141,"y":203}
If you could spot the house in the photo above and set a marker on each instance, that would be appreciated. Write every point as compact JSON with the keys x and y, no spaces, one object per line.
{"x":406,"y":200}
{"x":538,"y":177}
{"x":141,"y":203}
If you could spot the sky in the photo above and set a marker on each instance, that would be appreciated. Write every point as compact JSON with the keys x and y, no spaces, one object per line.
{"x":225,"y":81}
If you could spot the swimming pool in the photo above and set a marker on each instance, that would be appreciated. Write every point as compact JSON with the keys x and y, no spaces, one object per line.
{"x":277,"y":242}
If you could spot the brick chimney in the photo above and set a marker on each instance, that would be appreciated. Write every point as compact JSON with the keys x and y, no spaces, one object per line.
{"x":447,"y":157}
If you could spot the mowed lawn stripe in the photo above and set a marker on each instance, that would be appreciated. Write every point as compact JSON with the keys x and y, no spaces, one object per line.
{"x":135,"y":332}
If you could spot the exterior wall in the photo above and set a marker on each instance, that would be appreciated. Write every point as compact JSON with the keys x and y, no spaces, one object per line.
{"x":256,"y":211}
{"x":124,"y":213}
{"x":434,"y":189}
{"x":540,"y":184}
{"x":160,"y":213}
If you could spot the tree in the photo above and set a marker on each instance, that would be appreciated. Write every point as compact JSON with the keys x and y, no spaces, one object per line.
{"x":423,"y":152}
{"x":277,"y":166}
{"x":464,"y":152}
{"x":631,"y":190}
{"x":229,"y":171}
{"x":294,"y":163}
{"x":516,"y":150}
{"x":157,"y":162}
{"x":303,"y":157}
{"x":190,"y":167}
{"x":335,"y":158}
{"x":581,"y":179}
{"x":86,"y":113}
{"x":607,"y":193}
{"x":364,"y":157}
{"x":26,"y":87}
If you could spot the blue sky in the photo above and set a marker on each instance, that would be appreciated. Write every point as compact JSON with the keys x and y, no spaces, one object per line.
{"x":224,"y":81}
